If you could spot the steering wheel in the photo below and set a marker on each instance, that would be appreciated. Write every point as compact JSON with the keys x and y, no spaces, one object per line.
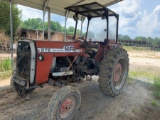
{"x":84,"y":44}
{"x":82,"y":38}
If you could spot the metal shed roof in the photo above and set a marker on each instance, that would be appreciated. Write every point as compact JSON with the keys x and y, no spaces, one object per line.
{"x":57,"y":6}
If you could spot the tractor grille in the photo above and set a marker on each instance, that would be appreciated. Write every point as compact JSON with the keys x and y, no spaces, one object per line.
{"x":23,"y":61}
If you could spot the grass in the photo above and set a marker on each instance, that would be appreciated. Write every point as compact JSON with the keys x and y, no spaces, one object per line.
{"x":156,"y":92}
{"x":152,"y":78}
{"x":134,"y":48}
{"x":5,"y":65}
{"x":142,"y":74}
{"x":155,"y":103}
{"x":5,"y":74}
{"x":148,"y":73}
{"x":156,"y":87}
{"x":5,"y":68}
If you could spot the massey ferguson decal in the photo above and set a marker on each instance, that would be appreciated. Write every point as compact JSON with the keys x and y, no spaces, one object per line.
{"x":64,"y":49}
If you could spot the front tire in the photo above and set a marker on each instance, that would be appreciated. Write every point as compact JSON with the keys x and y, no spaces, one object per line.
{"x":114,"y":71}
{"x":64,"y":104}
{"x":12,"y":85}
{"x":18,"y":89}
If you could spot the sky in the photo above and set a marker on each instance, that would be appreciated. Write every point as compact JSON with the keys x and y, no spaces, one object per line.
{"x":137,"y":17}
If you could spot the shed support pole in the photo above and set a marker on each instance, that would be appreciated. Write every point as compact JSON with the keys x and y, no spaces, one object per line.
{"x":82,"y":20}
{"x":43,"y":23}
{"x":49,"y":24}
{"x":11,"y":36}
{"x":117,"y":28}
{"x":45,"y":4}
{"x":65,"y":29}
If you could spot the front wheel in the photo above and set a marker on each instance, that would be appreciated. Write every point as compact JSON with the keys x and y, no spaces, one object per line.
{"x":114,"y":71}
{"x":12,"y":85}
{"x":19,"y":90}
{"x":64,"y":104}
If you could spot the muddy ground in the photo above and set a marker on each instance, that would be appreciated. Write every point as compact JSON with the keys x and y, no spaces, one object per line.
{"x":133,"y":104}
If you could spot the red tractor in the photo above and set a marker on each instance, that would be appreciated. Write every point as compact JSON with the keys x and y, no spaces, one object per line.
{"x":61,"y":62}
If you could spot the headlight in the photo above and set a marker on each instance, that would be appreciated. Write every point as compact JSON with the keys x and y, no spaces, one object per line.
{"x":40,"y":57}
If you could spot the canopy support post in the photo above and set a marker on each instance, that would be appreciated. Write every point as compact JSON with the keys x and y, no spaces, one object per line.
{"x":43,"y":23}
{"x":65,"y":29}
{"x":11,"y":36}
{"x":107,"y":28}
{"x":45,"y":4}
{"x":49,"y":24}
{"x":82,"y":20}
{"x":87,"y":28}
{"x":117,"y":28}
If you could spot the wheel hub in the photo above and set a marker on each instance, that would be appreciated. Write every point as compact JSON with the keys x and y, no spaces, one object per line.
{"x":117,"y":72}
{"x":67,"y":107}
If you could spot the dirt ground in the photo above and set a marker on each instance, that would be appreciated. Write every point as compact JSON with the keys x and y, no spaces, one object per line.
{"x":133,"y":104}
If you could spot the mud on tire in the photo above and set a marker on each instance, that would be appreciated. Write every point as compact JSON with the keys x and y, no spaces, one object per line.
{"x":64,"y":104}
{"x":113,"y":71}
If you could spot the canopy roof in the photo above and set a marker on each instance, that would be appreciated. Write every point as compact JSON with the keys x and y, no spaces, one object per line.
{"x":91,"y":10}
{"x":57,"y":6}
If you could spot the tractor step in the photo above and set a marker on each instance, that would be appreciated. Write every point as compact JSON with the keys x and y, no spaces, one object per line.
{"x":89,"y":71}
{"x":66,"y":73}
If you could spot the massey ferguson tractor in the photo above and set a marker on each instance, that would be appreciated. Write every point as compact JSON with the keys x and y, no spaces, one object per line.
{"x":61,"y":62}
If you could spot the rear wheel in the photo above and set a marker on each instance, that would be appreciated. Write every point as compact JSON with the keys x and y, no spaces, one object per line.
{"x":114,"y":71}
{"x":64,"y":104}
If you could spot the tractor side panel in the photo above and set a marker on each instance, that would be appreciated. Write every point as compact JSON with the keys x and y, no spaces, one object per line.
{"x":43,"y":68}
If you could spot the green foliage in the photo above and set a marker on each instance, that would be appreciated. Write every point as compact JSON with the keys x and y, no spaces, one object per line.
{"x":155,"y":103}
{"x":5,"y":17}
{"x":150,"y":41}
{"x":134,"y":48}
{"x":32,"y":24}
{"x":123,"y":37}
{"x":37,"y":24}
{"x":5,"y":65}
{"x":156,"y":87}
{"x":70,"y":30}
{"x":55,"y":26}
{"x":5,"y":68}
{"x":5,"y":74}
{"x":140,"y":38}
{"x":143,"y":74}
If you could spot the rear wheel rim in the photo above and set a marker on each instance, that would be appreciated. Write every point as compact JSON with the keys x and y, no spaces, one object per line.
{"x":67,"y":107}
{"x":117,"y":72}
{"x":118,"y":76}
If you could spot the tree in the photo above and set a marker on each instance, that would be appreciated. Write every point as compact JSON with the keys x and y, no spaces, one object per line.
{"x":126,"y":37}
{"x":70,"y":30}
{"x":55,"y":26}
{"x":123,"y":37}
{"x":5,"y":17}
{"x":37,"y":23}
{"x":156,"y":41}
{"x":34,"y":23}
{"x":140,"y":38}
{"x":120,"y":37}
{"x":149,"y":41}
